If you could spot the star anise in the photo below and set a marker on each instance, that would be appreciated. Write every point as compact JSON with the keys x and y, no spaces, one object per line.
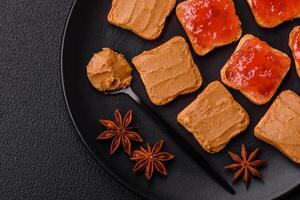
{"x":151,"y":159}
{"x":120,"y":132}
{"x":245,"y":166}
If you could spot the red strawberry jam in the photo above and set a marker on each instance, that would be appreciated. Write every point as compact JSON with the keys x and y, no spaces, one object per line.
{"x":296,"y":46}
{"x":209,"y":23}
{"x":257,"y":69}
{"x":273,"y":12}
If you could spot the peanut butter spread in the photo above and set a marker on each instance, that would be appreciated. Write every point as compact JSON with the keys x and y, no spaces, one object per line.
{"x":146,"y":18}
{"x":168,"y":71}
{"x":280,"y":126}
{"x":214,"y":118}
{"x":108,"y":70}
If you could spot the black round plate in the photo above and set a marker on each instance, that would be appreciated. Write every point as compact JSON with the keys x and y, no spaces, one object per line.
{"x":88,"y":31}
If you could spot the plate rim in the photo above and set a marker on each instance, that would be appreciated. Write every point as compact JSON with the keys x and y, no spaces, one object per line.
{"x":108,"y":171}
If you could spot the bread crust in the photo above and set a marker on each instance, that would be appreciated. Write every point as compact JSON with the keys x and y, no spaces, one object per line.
{"x":249,"y":96}
{"x":261,"y":22}
{"x":216,"y":45}
{"x":291,"y":38}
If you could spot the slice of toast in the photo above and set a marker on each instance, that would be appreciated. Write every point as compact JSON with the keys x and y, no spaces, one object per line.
{"x":223,"y":27}
{"x":280,"y":126}
{"x":295,"y":31}
{"x":214,"y":117}
{"x":168,"y":71}
{"x":266,"y":21}
{"x":146,"y":18}
{"x":282,"y":59}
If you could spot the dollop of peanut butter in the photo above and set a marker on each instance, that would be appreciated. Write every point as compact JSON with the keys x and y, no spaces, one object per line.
{"x":108,"y":70}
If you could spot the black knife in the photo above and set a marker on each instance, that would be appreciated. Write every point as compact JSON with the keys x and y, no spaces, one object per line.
{"x":180,"y":141}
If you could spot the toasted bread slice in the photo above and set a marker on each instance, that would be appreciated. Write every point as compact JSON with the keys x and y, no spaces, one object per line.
{"x":268,"y":76}
{"x":168,"y":71}
{"x":295,"y":40}
{"x":209,"y":26}
{"x":214,"y":118}
{"x":146,"y":18}
{"x":280,"y":126}
{"x":266,"y":11}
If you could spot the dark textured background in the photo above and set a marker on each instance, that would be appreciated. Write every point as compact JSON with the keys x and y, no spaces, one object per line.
{"x":41,"y":156}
